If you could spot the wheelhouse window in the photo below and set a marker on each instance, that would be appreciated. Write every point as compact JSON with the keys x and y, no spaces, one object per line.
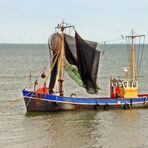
{"x":125,"y":84}
{"x":130,"y":84}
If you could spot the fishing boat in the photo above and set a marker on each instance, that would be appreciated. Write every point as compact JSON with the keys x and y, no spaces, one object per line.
{"x":80,"y":59}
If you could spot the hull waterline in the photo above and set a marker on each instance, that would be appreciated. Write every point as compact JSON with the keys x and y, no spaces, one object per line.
{"x":45,"y":102}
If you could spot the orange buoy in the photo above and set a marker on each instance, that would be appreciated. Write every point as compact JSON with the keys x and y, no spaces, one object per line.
{"x":42,"y":90}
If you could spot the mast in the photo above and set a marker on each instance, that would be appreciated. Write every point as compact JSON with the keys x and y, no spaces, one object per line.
{"x":133,"y":71}
{"x":133,"y":57}
{"x":62,"y":27}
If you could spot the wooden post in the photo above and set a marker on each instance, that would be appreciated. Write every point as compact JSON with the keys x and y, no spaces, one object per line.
{"x":61,"y":64}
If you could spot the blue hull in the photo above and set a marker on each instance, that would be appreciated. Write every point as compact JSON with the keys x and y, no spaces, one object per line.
{"x":45,"y":102}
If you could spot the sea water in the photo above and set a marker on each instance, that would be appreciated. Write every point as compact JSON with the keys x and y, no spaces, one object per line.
{"x":22,"y":64}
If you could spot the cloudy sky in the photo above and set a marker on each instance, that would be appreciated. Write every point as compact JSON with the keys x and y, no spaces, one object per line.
{"x":32,"y":21}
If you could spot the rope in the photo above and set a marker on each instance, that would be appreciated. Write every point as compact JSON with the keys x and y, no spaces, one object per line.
{"x":31,"y":83}
{"x":10,"y":104}
{"x":52,"y":66}
{"x":29,"y":100}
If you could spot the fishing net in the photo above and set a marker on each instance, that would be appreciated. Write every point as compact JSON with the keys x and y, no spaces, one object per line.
{"x":54,"y":44}
{"x":83,"y":55}
{"x":87,"y":63}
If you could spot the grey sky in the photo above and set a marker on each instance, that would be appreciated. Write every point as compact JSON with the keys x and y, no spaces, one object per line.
{"x":32,"y":21}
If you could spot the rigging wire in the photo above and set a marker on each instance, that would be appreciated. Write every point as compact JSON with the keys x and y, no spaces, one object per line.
{"x":10,"y":104}
{"x":104,"y":42}
{"x":49,"y":72}
{"x":127,"y":48}
{"x":49,"y":49}
{"x":105,"y":46}
{"x":138,"y":55}
{"x":141,"y":54}
{"x":52,"y":65}
{"x":139,"y":48}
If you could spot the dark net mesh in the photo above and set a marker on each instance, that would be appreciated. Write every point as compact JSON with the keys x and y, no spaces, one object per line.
{"x":87,"y":63}
{"x":70,"y":50}
{"x":53,"y":74}
{"x":83,"y":55}
{"x":54,"y":44}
